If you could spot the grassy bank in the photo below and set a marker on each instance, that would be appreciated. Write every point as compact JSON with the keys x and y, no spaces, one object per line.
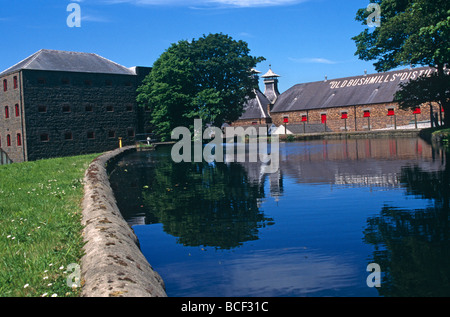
{"x":436,"y":135}
{"x":40,"y":228}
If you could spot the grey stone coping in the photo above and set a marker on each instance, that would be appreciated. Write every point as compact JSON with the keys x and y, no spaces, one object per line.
{"x":113,"y":264}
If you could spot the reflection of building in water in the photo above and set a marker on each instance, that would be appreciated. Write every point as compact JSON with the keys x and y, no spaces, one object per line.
{"x":373,"y":162}
{"x":276,"y":185}
{"x":354,"y":162}
{"x":367,"y":180}
{"x":255,"y":173}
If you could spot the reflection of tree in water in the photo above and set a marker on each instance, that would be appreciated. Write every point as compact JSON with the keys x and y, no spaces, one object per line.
{"x":205,"y":205}
{"x":413,"y":246}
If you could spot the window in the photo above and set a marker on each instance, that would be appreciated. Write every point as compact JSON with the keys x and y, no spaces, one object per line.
{"x":65,"y":81}
{"x":304,"y":118}
{"x":366,"y":114}
{"x":6,"y":112}
{"x":108,"y":83}
{"x":17,"y":109}
{"x":344,"y":115}
{"x":68,"y":135}
{"x":19,"y":139}
{"x":130,"y":132}
{"x":90,"y":135}
{"x":5,"y":85}
{"x":8,"y":140}
{"x":41,"y":81}
{"x":109,"y":108}
{"x":391,"y":112}
{"x":112,"y":134}
{"x":88,"y":83}
{"x":15,"y":82}
{"x":66,"y":109}
{"x":129,"y":107}
{"x":128,"y":84}
{"x":42,"y":109}
{"x":44,"y":137}
{"x":323,"y":118}
{"x":88,"y":108}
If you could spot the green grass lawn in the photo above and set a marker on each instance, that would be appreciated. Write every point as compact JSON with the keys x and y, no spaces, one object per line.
{"x":40,"y":226}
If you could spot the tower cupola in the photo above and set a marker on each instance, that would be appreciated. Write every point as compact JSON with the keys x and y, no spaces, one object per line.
{"x":271,"y":85}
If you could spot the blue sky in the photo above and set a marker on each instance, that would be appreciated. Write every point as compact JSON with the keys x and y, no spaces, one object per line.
{"x":303,"y":40}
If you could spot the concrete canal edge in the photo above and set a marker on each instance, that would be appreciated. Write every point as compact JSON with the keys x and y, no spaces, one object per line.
{"x":351,"y":135}
{"x":113,"y":264}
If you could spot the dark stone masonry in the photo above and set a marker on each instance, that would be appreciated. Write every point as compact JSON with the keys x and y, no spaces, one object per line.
{"x":57,"y":103}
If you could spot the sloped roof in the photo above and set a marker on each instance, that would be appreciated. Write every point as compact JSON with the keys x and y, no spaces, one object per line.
{"x":270,"y":74}
{"x":256,"y":108}
{"x":348,"y":91}
{"x":53,"y":60}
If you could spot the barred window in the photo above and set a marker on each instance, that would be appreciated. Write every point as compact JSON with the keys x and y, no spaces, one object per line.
{"x":19,"y":139}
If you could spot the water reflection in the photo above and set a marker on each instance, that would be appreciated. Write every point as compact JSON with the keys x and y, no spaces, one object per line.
{"x":413,"y":246}
{"x":199,"y":203}
{"x":333,"y":207}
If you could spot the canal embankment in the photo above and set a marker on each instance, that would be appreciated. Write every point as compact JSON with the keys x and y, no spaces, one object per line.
{"x":435,"y":136}
{"x":351,"y":135}
{"x":113,"y":265}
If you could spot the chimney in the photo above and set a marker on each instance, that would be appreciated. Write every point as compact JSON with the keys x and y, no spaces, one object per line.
{"x":271,"y":85}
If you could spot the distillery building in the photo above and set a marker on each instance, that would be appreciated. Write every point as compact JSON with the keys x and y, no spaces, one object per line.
{"x":58,"y":103}
{"x":358,"y":103}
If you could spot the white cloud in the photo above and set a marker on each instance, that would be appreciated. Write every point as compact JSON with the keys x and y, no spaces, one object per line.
{"x":255,"y":3}
{"x":94,"y":18}
{"x":313,"y":60}
{"x":245,"y":34}
{"x":209,"y":3}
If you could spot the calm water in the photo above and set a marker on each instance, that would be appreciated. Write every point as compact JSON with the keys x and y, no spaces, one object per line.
{"x":309,"y":230}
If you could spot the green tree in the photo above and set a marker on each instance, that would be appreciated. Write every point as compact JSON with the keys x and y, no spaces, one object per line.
{"x":424,"y":90}
{"x":412,"y":32}
{"x":209,"y":78}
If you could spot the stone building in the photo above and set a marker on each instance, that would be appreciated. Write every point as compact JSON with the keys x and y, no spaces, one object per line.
{"x":357,"y":103}
{"x":58,"y":103}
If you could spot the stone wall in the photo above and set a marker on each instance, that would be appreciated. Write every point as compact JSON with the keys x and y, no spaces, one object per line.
{"x":113,"y":264}
{"x":69,"y":113}
{"x":256,"y":121}
{"x":356,"y":121}
{"x":78,"y":113}
{"x":13,"y":125}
